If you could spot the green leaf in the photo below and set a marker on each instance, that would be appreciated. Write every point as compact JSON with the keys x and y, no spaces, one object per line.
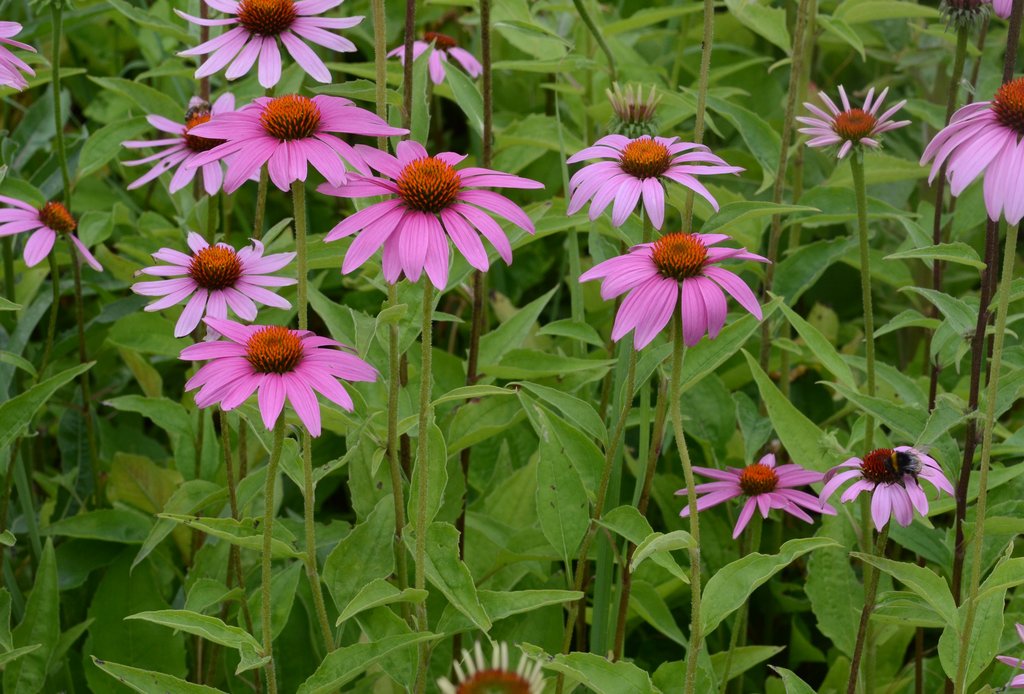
{"x":345,"y":664}
{"x":16,"y":413}
{"x":844,"y":32}
{"x":148,"y":682}
{"x":584,"y":332}
{"x":191,"y":497}
{"x":16,"y":653}
{"x":821,"y":347}
{"x":743,"y":210}
{"x":349,"y":567}
{"x":472,"y":393}
{"x":921,"y":580}
{"x":602,"y":676}
{"x":763,"y":141}
{"x":708,"y":355}
{"x":908,"y":422}
{"x":955,"y":252}
{"x":732,"y":585}
{"x":376,"y":593}
{"x":450,"y":575}
{"x":855,"y":11}
{"x":6,"y":305}
{"x":513,"y":332}
{"x":108,"y":525}
{"x":767,"y":22}
{"x":437,"y":465}
{"x":18,"y":361}
{"x":243,"y":533}
{"x":148,"y":99}
{"x":658,"y":543}
{"x":581,"y":413}
{"x":646,"y":17}
{"x":40,"y":626}
{"x":104,"y":144}
{"x":467,"y":96}
{"x":791,"y":681}
{"x":743,"y":658}
{"x":805,"y":266}
{"x":563,"y":508}
{"x":283,"y":586}
{"x":535,"y":364}
{"x":801,"y":437}
{"x":212,"y":629}
{"x":836,"y":594}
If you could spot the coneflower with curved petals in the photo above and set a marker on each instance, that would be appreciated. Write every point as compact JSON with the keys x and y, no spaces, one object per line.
{"x":279,"y":365}
{"x":213,"y":279}
{"x":1016,"y":663}
{"x":441,"y":46}
{"x":850,"y":127}
{"x":428,"y":201}
{"x":255,"y":28}
{"x":640,"y":168}
{"x":765,"y":485}
{"x":11,"y":66}
{"x":288,"y":134}
{"x":47,"y":223}
{"x":678,"y":268}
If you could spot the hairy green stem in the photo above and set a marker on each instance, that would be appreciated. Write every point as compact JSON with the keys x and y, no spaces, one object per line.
{"x":380,"y":49}
{"x":410,"y":29}
{"x":261,"y":203}
{"x":235,"y":560}
{"x":394,"y":460}
{"x":57,"y":15}
{"x":860,"y":190}
{"x":268,"y":536}
{"x":871,"y":575}
{"x":301,"y":265}
{"x":423,"y":476}
{"x":702,"y":96}
{"x":8,"y":258}
{"x":83,"y":357}
{"x":696,"y":635}
{"x":981,"y":507}
{"x":595,"y":31}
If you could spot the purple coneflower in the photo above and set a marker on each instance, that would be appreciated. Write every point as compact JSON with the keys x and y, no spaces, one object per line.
{"x":11,"y":66}
{"x":638,"y":168}
{"x":289,"y":133}
{"x":440,"y":46}
{"x":1016,"y":663}
{"x":765,"y":486}
{"x":428,"y":202}
{"x":257,"y":25}
{"x":850,"y":126}
{"x":281,"y":364}
{"x":181,"y":150}
{"x":890,"y":475}
{"x":677,"y":268}
{"x":214,"y":278}
{"x":46,"y":223}
{"x":475,"y":675}
{"x":983,"y":139}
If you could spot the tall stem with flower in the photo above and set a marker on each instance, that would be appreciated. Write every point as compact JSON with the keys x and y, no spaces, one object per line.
{"x":702,"y":95}
{"x":423,"y":476}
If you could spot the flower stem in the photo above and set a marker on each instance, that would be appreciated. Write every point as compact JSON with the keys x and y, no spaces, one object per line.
{"x":268,"y":535}
{"x":261,"y":203}
{"x":394,"y":461}
{"x":235,"y":560}
{"x":642,"y":501}
{"x":380,"y":49}
{"x":57,"y":15}
{"x":860,"y":190}
{"x":702,"y":96}
{"x":739,"y":624}
{"x":871,"y":575}
{"x":83,"y":357}
{"x":423,"y":476}
{"x":8,"y":256}
{"x":796,"y":75}
{"x":981,"y":507}
{"x":299,"y":204}
{"x":51,"y":327}
{"x":940,"y":188}
{"x":696,"y":637}
{"x":595,"y":31}
{"x":410,"y":30}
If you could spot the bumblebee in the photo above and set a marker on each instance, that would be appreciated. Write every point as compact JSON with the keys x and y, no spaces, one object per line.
{"x":901,"y":463}
{"x":198,"y":107}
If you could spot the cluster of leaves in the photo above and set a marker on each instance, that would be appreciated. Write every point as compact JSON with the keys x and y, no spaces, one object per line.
{"x":134,"y":590}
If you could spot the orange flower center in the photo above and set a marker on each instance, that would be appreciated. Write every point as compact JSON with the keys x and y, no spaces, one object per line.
{"x":645,"y":158}
{"x":274,"y":350}
{"x":679,"y":255}
{"x":428,"y":185}
{"x":494,"y":682}
{"x":291,"y":117}
{"x":442,"y":41}
{"x":194,"y":142}
{"x":758,"y":479}
{"x":854,"y":124}
{"x":266,"y":17}
{"x":879,"y":467}
{"x":215,"y":267}
{"x":57,"y":217}
{"x":1009,"y":105}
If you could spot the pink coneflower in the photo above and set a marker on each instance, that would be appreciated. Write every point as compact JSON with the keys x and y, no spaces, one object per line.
{"x":982,"y":139}
{"x":1016,"y":663}
{"x":11,"y":66}
{"x":850,"y":126}
{"x":47,"y":222}
{"x":282,"y":364}
{"x":181,"y":150}
{"x":256,"y":27}
{"x":890,"y":475}
{"x":440,"y":46}
{"x":657,"y":274}
{"x":427,"y":200}
{"x":765,"y":486}
{"x":640,"y":167}
{"x":476,"y":675}
{"x":289,"y":133}
{"x":214,"y":278}
{"x":1002,"y":8}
